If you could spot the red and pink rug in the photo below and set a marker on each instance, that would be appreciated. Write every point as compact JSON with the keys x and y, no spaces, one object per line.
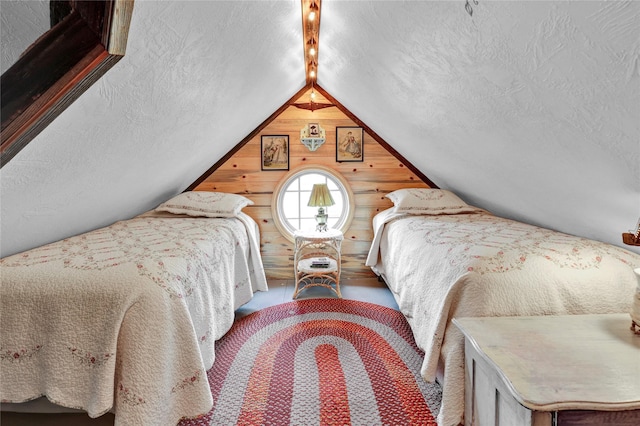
{"x":322,"y":362}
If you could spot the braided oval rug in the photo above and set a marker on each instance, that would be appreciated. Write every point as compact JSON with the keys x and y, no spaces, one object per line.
{"x":320,"y":362}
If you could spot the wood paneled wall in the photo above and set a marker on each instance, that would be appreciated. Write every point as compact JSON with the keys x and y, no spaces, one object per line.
{"x":379,"y":173}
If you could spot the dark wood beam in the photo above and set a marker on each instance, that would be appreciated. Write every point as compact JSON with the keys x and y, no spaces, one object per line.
{"x":60,"y":66}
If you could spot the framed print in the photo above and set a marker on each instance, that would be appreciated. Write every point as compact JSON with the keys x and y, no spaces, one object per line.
{"x":314,"y":130}
{"x":349,"y":144}
{"x":275,"y":152}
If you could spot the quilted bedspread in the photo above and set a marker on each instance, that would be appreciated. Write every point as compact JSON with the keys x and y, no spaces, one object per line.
{"x":124,"y":318}
{"x":470,"y":265}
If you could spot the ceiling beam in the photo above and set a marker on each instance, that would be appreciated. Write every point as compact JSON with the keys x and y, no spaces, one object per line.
{"x":61,"y":65}
{"x":310,"y":37}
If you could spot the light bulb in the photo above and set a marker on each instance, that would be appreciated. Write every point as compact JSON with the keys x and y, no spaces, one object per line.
{"x":313,"y":95}
{"x":312,"y":15}
{"x":312,"y":73}
{"x":312,"y":51}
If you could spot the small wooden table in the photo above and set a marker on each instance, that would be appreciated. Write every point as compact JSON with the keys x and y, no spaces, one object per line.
{"x":551,"y":370}
{"x":310,"y":246}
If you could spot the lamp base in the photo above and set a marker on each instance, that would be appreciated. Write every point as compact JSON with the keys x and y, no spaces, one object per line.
{"x":321,"y":218}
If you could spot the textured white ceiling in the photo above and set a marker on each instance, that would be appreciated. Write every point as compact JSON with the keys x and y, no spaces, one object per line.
{"x":528,"y":109}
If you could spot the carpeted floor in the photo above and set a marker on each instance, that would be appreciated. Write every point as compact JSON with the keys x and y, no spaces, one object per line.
{"x":320,"y":361}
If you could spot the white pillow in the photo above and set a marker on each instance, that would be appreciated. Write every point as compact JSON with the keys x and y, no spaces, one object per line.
{"x":428,"y":201}
{"x":204,"y":203}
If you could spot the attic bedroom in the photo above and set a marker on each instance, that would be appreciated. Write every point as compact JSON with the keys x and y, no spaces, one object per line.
{"x":377,"y":183}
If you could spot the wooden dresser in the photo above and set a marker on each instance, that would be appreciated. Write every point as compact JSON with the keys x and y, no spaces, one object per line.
{"x":551,"y":370}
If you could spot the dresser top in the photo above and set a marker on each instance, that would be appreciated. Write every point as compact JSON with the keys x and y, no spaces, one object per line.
{"x":562,"y":362}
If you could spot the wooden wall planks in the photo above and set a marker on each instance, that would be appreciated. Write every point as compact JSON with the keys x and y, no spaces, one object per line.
{"x":379,"y":173}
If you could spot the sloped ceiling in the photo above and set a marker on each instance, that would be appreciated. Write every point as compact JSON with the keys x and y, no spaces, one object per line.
{"x":528,"y":109}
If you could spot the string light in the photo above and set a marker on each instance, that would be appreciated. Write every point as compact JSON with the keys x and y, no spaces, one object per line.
{"x":311,"y":29}
{"x":313,"y":9}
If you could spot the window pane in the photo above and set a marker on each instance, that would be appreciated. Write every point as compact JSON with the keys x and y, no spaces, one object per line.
{"x":334,"y":213}
{"x":308,"y":211}
{"x":308,"y":180}
{"x":293,"y":186}
{"x":337,"y":197}
{"x":331,"y":222}
{"x":304,"y":198}
{"x":331,"y":184}
{"x":308,"y":224}
{"x":291,"y":205}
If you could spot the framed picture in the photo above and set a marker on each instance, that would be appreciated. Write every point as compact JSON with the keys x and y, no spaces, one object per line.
{"x":349,"y":144}
{"x":314,"y":130}
{"x":275,"y":152}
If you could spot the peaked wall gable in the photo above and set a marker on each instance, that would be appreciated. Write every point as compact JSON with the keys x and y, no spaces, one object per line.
{"x":383,"y":170}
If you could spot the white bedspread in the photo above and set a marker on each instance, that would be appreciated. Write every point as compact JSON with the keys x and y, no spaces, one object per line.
{"x":124,"y":318}
{"x":441,"y":267}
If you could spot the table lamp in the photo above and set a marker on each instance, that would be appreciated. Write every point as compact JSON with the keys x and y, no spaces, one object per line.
{"x":321,"y":198}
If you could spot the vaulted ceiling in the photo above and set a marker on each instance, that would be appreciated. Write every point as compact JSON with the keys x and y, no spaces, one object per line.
{"x":526,"y":108}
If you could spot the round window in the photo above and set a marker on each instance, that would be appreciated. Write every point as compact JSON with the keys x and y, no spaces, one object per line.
{"x":290,"y":198}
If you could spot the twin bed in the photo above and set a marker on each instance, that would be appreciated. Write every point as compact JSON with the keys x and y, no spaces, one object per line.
{"x":124,"y":318}
{"x":442,"y":258}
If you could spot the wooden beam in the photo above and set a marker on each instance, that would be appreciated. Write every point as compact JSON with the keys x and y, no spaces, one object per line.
{"x":120,"y":20}
{"x":311,"y":37}
{"x":58,"y":68}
